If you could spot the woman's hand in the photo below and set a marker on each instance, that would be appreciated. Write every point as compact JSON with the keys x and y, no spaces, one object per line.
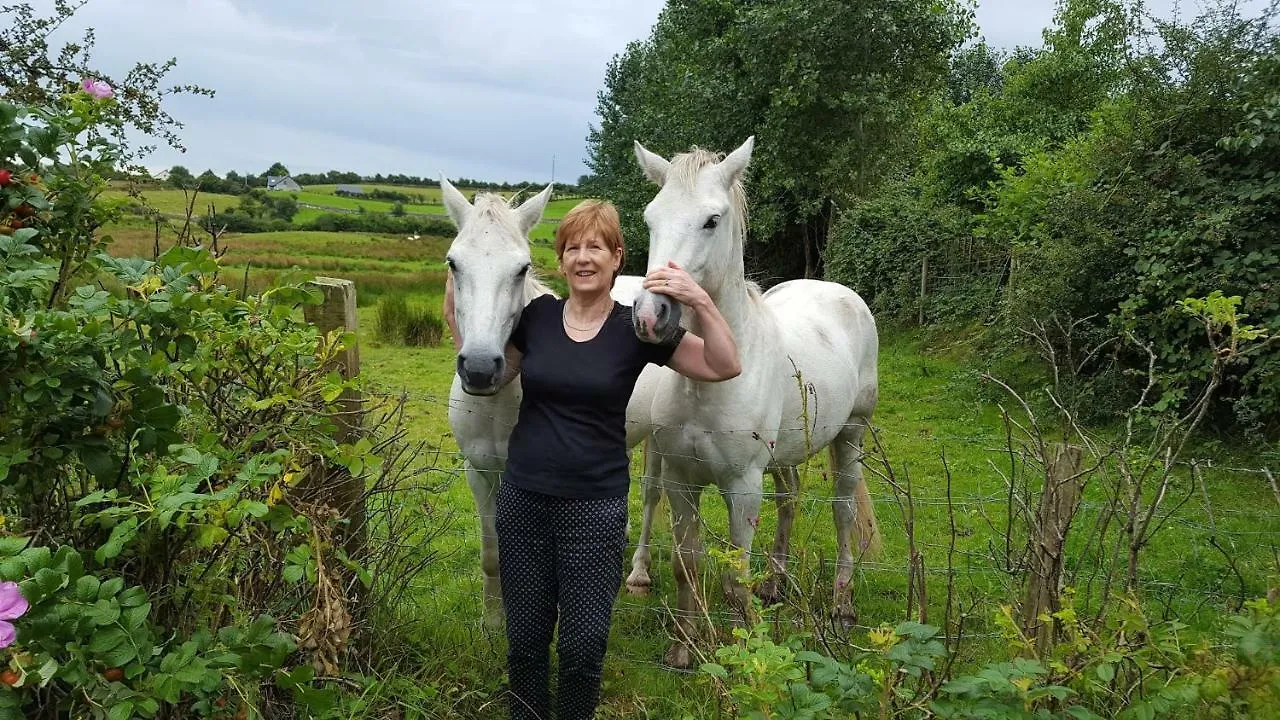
{"x":676,"y":284}
{"x":712,"y":357}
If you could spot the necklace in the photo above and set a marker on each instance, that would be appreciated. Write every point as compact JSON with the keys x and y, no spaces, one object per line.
{"x":564,"y":317}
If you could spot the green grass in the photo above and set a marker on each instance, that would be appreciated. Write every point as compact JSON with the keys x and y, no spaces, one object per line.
{"x":174,"y":202}
{"x":933,"y":406}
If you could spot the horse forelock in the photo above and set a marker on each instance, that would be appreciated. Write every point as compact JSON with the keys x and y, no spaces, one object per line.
{"x":684,"y":171}
{"x":493,"y":208}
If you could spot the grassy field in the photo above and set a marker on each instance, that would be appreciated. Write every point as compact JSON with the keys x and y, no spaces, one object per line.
{"x":933,"y":408}
{"x":175,"y":202}
{"x":936,"y":419}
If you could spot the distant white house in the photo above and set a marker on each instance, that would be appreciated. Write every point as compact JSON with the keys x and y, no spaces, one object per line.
{"x":160,"y":175}
{"x":349,"y":190}
{"x":283,"y":182}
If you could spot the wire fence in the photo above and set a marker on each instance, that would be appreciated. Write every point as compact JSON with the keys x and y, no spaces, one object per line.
{"x":1189,"y":573}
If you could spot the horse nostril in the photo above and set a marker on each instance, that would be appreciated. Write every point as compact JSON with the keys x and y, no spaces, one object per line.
{"x":662,"y":311}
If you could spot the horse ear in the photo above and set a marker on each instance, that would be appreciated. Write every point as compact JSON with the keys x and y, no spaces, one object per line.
{"x":655,"y":166}
{"x":457,"y":206}
{"x":732,"y":166}
{"x":530,"y":211}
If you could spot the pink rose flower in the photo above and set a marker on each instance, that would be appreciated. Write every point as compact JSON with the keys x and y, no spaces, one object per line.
{"x":12,"y":607}
{"x":97,"y":88}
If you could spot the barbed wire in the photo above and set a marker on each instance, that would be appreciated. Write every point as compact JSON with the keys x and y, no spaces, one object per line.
{"x":485,"y":408}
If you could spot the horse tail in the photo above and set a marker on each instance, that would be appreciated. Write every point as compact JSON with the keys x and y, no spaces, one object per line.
{"x":844,"y":453}
{"x":866,"y":529}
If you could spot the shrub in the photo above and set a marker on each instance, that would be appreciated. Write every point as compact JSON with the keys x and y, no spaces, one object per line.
{"x":168,"y":445}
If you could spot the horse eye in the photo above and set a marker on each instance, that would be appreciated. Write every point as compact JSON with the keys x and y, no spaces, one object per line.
{"x":711,"y":222}
{"x":523,"y":271}
{"x":448,"y":261}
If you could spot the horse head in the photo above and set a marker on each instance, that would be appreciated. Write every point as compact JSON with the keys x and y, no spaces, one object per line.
{"x":697,"y":220}
{"x":492,"y":278}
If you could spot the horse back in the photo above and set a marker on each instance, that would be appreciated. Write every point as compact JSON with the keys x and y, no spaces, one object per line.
{"x":829,"y":333}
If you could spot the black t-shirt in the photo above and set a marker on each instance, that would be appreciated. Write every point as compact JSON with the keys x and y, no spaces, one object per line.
{"x":571,"y":437}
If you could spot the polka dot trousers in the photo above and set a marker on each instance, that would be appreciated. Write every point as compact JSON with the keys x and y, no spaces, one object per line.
{"x":558,"y":557}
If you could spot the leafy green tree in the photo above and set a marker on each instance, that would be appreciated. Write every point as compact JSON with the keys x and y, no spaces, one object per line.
{"x":277,"y":169}
{"x":180,"y":177}
{"x":828,"y":105}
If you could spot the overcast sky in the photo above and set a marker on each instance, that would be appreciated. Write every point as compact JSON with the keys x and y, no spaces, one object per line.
{"x":491,"y":90}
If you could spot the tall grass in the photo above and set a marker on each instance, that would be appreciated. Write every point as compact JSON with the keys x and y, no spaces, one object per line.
{"x":401,"y":323}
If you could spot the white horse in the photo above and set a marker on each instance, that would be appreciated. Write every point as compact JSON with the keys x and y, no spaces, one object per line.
{"x":809,"y":352}
{"x":493,"y":281}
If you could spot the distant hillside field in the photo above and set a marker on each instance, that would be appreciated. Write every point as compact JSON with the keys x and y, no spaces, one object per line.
{"x":320,"y":198}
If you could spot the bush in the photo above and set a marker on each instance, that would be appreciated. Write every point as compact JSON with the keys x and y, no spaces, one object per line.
{"x":404,"y":324}
{"x":164,"y":457}
{"x":878,"y":247}
{"x":381,"y":223}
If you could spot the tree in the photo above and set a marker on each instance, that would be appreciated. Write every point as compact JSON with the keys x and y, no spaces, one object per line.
{"x":180,"y":177}
{"x":277,"y":169}
{"x":828,"y":105}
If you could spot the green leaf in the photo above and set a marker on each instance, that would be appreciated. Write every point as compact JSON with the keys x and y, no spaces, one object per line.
{"x":104,"y":612}
{"x":209,"y":535}
{"x":106,"y":640}
{"x":111,"y":588}
{"x":133,"y":597}
{"x":120,"y":534}
{"x":715,"y":670}
{"x":122,"y":710}
{"x":86,"y":589}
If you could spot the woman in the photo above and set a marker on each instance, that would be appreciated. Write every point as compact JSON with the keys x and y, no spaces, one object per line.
{"x":562,"y":506}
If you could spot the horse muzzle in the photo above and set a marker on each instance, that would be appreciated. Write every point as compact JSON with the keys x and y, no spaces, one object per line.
{"x":481,"y":373}
{"x":655,"y":317}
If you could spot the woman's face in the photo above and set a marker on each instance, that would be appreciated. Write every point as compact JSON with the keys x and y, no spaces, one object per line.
{"x":589,"y":264}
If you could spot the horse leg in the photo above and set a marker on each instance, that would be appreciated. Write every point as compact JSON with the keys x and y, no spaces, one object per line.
{"x":742,"y":497}
{"x":855,"y":515}
{"x":484,"y":490}
{"x":786,"y":489}
{"x":639,"y":582}
{"x":685,"y":526}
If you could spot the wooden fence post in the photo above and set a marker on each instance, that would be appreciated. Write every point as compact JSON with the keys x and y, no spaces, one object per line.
{"x":1063,"y":484}
{"x":339,"y":488}
{"x":924,"y":286}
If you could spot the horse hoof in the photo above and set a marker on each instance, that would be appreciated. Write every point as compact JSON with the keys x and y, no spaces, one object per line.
{"x":637,"y":590}
{"x":638,"y":585}
{"x":844,"y":617}
{"x":679,"y":657}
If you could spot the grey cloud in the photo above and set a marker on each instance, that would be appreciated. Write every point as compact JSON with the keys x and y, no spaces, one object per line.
{"x":488,"y":90}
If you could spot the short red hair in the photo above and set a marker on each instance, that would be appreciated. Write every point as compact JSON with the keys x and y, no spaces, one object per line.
{"x":592,"y":217}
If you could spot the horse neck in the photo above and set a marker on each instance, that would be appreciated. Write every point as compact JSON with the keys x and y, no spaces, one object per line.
{"x":735,"y":299}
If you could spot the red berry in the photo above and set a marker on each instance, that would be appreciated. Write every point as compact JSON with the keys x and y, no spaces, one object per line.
{"x":113,"y":674}
{"x":24,"y":210}
{"x":17,"y":224}
{"x":6,"y":177}
{"x":9,"y":677}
